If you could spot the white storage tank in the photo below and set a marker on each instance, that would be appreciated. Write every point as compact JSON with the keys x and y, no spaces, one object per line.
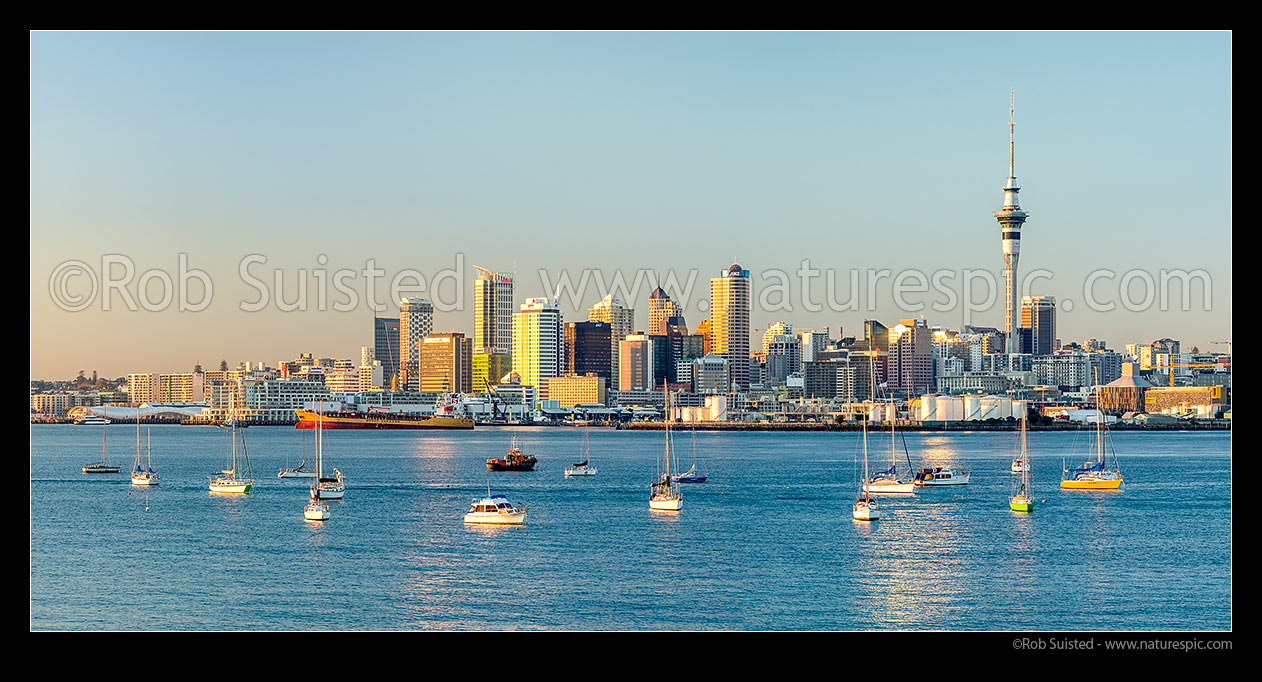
{"x":929,"y":408}
{"x":972,"y":407}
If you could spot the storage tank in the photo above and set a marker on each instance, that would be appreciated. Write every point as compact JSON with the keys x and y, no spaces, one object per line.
{"x":972,"y":407}
{"x":989,"y":408}
{"x":928,"y":408}
{"x":1005,"y":408}
{"x":1019,"y":408}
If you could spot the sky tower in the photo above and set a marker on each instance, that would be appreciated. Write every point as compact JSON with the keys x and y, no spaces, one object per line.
{"x":1011,"y":218}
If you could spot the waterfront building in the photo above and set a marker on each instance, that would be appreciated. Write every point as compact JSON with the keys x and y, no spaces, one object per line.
{"x":730,"y":304}
{"x":446,"y":363}
{"x":416,"y":317}
{"x":386,"y":347}
{"x":621,"y":321}
{"x":538,"y":350}
{"x":569,"y":391}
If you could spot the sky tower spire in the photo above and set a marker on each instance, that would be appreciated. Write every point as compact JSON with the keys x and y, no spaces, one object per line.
{"x":1011,"y":218}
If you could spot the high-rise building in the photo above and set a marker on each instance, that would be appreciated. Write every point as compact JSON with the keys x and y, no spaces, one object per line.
{"x":588,"y":346}
{"x":1038,"y":314}
{"x":386,"y":349}
{"x":446,"y":363}
{"x":636,"y":371}
{"x":1011,"y":218}
{"x":621,"y":321}
{"x":674,"y":349}
{"x":711,"y":374}
{"x":492,"y":312}
{"x":911,"y":358}
{"x":876,"y":335}
{"x":538,"y":348}
{"x":489,"y":369}
{"x":730,"y":301}
{"x":703,"y":330}
{"x":416,"y":321}
{"x":661,"y":309}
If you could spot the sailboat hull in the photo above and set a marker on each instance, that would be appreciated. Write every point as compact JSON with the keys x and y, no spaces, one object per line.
{"x":145,"y":480}
{"x":581,"y":471}
{"x":1092,"y":484}
{"x":1021,"y":503}
{"x":667,"y":504}
{"x":296,"y":474}
{"x":231,"y":488}
{"x":316,"y":512}
{"x":101,"y":469}
{"x":889,"y":488}
{"x":865,"y":512}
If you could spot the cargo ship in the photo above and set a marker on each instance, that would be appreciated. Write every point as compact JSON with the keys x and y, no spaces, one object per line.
{"x":380,"y":419}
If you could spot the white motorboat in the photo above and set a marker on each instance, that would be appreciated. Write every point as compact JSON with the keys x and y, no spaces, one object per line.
{"x":941,"y":476}
{"x":495,"y":510}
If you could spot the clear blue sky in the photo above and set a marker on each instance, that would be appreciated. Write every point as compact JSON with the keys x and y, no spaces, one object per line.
{"x":666,"y":151}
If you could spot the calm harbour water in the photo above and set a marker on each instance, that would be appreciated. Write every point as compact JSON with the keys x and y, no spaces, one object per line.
{"x":767,"y":543}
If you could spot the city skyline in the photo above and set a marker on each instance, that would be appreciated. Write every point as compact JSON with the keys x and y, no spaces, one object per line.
{"x":843,"y":147}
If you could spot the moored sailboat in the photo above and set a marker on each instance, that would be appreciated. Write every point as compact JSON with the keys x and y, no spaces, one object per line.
{"x":1021,"y":500}
{"x":325,"y":487}
{"x":234,"y":481}
{"x":104,"y":466}
{"x":300,"y":471}
{"x":865,"y":508}
{"x":583,"y":468}
{"x":664,"y":495}
{"x":143,"y":474}
{"x":1095,"y":474}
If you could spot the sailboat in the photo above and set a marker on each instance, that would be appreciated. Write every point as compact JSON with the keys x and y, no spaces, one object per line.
{"x":1021,"y":500}
{"x":583,"y":468}
{"x":865,"y":508}
{"x":316,"y":510}
{"x":1094,"y":474}
{"x":299,"y":471}
{"x":104,"y":466}
{"x":692,"y":475}
{"x":325,"y":487}
{"x":232,"y":480}
{"x":888,"y":482}
{"x":664,"y":495}
{"x":143,"y":475}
